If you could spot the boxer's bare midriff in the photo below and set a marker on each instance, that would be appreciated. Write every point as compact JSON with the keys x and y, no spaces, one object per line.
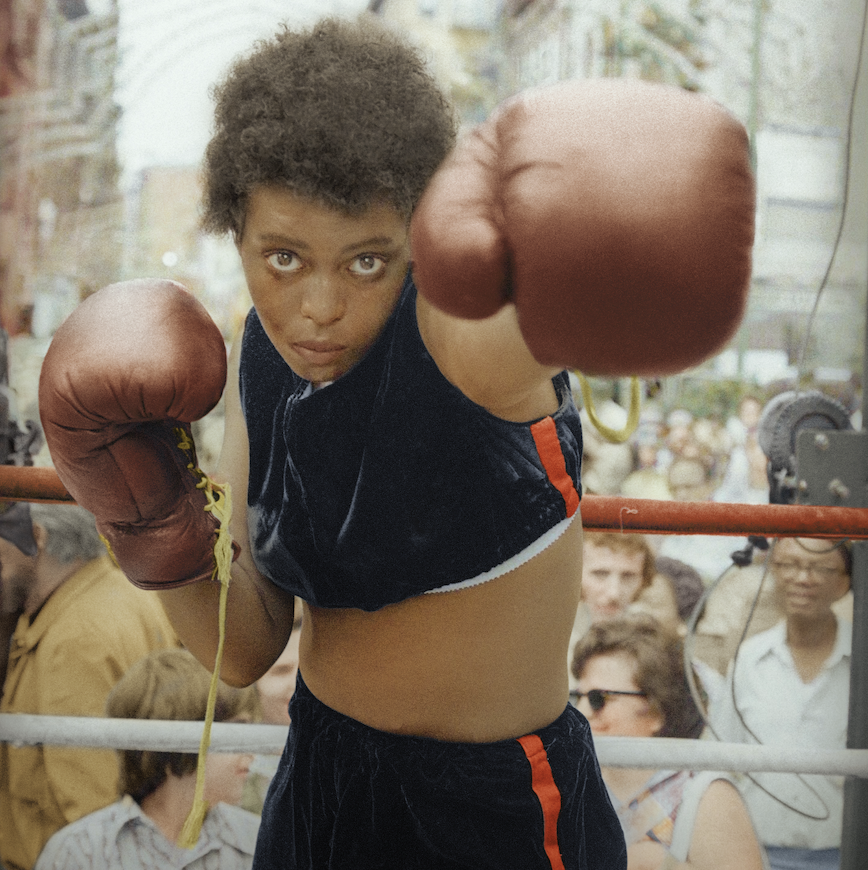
{"x":475,"y":665}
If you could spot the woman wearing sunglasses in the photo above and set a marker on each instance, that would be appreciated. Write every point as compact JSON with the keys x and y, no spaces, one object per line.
{"x":630,"y":683}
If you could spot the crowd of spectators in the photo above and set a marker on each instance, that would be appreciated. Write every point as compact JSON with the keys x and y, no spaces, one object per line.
{"x":678,"y":455}
{"x":141,"y":829}
{"x":734,"y":466}
{"x":78,"y":639}
{"x":631,"y":683}
{"x":787,"y":685}
{"x":80,"y":626}
{"x":767,"y":624}
{"x":681,"y":457}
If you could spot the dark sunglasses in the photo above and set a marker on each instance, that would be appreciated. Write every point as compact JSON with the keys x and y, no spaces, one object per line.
{"x":597,"y":697}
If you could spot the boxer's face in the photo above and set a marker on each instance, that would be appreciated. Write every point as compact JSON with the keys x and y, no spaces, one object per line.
{"x":323,"y":282}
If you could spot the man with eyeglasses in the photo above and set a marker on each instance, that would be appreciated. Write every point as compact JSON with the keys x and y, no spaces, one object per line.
{"x":789,"y":686}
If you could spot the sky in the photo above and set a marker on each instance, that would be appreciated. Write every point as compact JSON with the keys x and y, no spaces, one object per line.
{"x":172,"y":51}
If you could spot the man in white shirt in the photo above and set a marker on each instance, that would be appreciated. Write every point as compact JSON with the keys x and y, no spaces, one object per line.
{"x":789,"y":686}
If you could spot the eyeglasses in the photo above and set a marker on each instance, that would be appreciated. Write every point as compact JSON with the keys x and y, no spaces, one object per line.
{"x":597,"y":697}
{"x":816,"y":572}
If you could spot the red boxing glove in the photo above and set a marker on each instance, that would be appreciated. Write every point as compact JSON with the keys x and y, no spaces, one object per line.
{"x":616,"y":214}
{"x":124,"y":376}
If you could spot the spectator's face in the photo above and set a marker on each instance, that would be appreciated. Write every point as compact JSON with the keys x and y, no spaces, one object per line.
{"x":809,"y":577}
{"x":17,"y":575}
{"x":226,"y":773}
{"x":277,"y":685}
{"x":749,"y":413}
{"x":647,"y":455}
{"x":610,"y":581}
{"x":621,"y":715}
{"x":688,"y":480}
{"x":679,"y":437}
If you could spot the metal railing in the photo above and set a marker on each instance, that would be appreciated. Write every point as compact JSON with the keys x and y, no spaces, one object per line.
{"x":22,"y":729}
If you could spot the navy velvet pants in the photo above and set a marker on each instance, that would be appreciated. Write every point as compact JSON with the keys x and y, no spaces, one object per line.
{"x":349,"y":796}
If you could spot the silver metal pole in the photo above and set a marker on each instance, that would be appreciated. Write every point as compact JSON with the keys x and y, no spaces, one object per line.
{"x":20,"y":729}
{"x":854,"y":834}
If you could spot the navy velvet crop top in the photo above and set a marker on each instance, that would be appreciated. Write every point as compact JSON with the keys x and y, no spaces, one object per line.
{"x":389,"y":482}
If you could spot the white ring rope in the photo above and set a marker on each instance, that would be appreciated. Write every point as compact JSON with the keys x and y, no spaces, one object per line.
{"x":23,"y":729}
{"x":20,"y":729}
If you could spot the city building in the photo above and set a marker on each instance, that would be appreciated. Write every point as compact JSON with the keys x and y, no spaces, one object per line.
{"x":786,"y":69}
{"x":458,"y":40}
{"x":60,"y":206}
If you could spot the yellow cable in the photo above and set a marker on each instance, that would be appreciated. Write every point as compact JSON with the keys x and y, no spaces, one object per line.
{"x":219,"y":503}
{"x":632,"y":423}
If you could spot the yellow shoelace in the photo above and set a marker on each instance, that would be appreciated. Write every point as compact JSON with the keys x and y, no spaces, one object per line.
{"x":219,"y":503}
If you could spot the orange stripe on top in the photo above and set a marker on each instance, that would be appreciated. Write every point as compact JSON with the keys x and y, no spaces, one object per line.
{"x":548,"y":445}
{"x":543,"y":784}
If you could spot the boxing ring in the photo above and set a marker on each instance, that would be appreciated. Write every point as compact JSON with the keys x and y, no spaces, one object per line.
{"x":606,"y":513}
{"x":20,"y":729}
{"x":602,"y":513}
{"x":599,"y":512}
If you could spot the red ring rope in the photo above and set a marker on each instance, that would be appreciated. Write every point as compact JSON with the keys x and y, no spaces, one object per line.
{"x":600,"y":512}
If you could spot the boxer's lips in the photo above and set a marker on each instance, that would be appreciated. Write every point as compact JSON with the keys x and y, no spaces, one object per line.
{"x":319,"y":352}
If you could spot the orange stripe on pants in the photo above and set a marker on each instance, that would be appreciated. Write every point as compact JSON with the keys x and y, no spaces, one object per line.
{"x":548,"y":445}
{"x":543,"y":784}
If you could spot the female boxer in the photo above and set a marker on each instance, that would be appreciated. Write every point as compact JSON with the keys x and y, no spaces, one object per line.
{"x":407,"y":462}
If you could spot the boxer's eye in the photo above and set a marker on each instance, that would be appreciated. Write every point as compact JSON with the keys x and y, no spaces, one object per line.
{"x":367,"y":265}
{"x":284,"y":261}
